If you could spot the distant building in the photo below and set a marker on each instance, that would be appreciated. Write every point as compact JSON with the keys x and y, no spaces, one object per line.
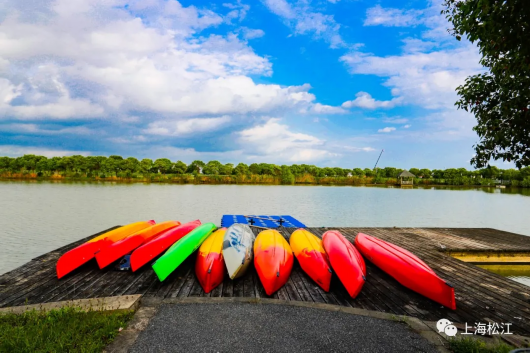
{"x":406,"y":178}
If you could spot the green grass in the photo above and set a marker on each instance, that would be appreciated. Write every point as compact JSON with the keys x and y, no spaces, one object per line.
{"x":470,"y":345}
{"x":63,"y":330}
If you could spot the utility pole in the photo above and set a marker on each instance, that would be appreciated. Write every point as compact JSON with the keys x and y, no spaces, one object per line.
{"x":375,"y":166}
{"x":378,"y":158}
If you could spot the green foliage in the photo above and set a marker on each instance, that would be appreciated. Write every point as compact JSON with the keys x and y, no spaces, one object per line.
{"x":64,"y":330}
{"x":499,"y":98}
{"x":287,"y":175}
{"x":471,"y":345}
{"x":164,"y":170}
{"x":241,"y":169}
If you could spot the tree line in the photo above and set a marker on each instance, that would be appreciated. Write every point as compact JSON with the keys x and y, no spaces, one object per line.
{"x":117,"y":166}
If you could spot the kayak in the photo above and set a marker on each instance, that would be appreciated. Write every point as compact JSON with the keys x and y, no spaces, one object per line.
{"x":407,"y":269}
{"x":179,"y":251}
{"x":312,"y":257}
{"x":122,"y":247}
{"x":210,"y":266}
{"x":237,"y":249}
{"x":78,"y":256}
{"x":346,"y":261}
{"x":161,"y":243}
{"x":273,"y":259}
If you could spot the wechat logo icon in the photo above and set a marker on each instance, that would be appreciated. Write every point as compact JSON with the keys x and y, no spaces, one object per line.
{"x":447,"y":327}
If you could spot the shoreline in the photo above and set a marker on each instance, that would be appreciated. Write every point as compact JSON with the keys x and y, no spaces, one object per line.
{"x":231,"y":180}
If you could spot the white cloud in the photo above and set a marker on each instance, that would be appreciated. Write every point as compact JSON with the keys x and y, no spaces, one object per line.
{"x":250,"y":33}
{"x":186,"y":127}
{"x":377,"y":15}
{"x":303,"y":19}
{"x":17,"y":151}
{"x":407,"y":126}
{"x":424,"y":79}
{"x":387,"y":129}
{"x":365,"y":100}
{"x":276,"y":140}
{"x":85,"y":59}
{"x":37,"y":129}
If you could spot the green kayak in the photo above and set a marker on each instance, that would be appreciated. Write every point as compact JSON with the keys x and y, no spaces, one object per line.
{"x":179,"y":251}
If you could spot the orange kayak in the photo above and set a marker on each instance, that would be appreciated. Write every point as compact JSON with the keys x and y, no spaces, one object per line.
{"x":346,"y":261}
{"x":273,"y":259}
{"x":124,"y":246}
{"x":210,"y":265}
{"x":312,"y":257}
{"x":86,"y":251}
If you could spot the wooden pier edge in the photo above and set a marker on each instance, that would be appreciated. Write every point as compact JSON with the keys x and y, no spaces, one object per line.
{"x":481,"y":296}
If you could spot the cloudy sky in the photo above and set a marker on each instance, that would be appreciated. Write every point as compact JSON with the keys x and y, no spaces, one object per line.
{"x":324,"y":82}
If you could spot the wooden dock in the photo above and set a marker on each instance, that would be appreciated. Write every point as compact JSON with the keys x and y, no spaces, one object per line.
{"x":481,"y":296}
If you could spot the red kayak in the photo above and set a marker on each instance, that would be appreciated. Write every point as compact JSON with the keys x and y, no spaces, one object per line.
{"x":273,"y":259}
{"x":124,"y":246}
{"x":161,"y":243}
{"x":78,"y":256}
{"x":210,"y":264}
{"x":346,"y":261}
{"x":407,"y":269}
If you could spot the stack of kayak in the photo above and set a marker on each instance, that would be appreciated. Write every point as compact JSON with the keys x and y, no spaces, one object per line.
{"x":232,"y":251}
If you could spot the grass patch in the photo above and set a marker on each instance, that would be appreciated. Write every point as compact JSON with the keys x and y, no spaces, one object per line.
{"x":470,"y":345}
{"x":63,"y":330}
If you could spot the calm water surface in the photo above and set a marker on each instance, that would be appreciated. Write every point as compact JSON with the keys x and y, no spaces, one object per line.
{"x":37,"y":217}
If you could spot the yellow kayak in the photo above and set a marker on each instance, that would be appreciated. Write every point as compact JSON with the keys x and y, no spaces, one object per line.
{"x":312,"y":257}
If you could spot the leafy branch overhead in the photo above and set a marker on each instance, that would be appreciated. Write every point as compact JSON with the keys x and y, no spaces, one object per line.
{"x":500,"y":97}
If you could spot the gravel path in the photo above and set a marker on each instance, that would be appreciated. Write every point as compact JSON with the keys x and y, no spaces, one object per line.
{"x":272,"y":328}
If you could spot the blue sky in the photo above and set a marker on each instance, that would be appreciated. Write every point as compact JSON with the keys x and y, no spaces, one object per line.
{"x":329,"y":83}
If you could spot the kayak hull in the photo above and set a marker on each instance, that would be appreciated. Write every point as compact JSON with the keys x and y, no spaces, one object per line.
{"x":179,"y":251}
{"x":124,"y":246}
{"x":80,"y":255}
{"x":210,"y":265}
{"x":237,"y":249}
{"x":407,"y":269}
{"x":273,"y":259}
{"x":310,"y":253}
{"x":346,"y":261}
{"x":149,"y":251}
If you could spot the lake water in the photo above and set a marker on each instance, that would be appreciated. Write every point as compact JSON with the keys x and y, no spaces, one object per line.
{"x":37,"y":217}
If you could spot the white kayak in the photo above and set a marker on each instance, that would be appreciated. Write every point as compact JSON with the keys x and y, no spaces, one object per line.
{"x":238,"y":249}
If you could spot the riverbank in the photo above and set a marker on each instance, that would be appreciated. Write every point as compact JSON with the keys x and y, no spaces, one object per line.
{"x":253,"y":179}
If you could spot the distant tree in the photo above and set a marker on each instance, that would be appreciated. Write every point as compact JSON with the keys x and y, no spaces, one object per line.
{"x":255,"y":168}
{"x":500,"y":97}
{"x":179,"y":167}
{"x":368,"y":172}
{"x":146,"y":166}
{"x":390,"y":172}
{"x":195,"y":167}
{"x":329,"y":172}
{"x":425,"y":173}
{"x":438,"y":174}
{"x":163,"y":165}
{"x":212,"y":168}
{"x":287,"y":176}
{"x":358,"y":172}
{"x":339,"y":172}
{"x":226,"y":169}
{"x":415,"y":171}
{"x":241,"y":169}
{"x":131,"y":165}
{"x":4,"y":163}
